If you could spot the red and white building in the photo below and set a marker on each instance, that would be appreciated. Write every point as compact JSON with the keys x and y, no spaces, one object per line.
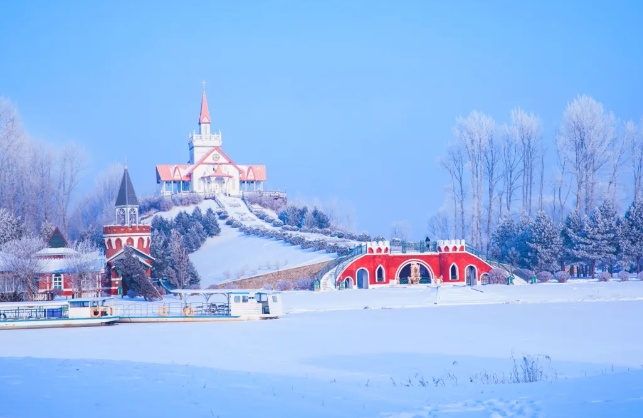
{"x":127,"y":231}
{"x":450,"y":263}
{"x":210,"y":171}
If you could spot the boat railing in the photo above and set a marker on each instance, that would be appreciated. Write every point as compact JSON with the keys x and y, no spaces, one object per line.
{"x":18,"y":313}
{"x":144,"y":310}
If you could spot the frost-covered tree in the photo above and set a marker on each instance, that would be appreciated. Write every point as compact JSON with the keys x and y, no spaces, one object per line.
{"x":11,"y":228}
{"x":503,"y":238}
{"x":573,"y":236}
{"x":134,"y":275}
{"x":632,"y":232}
{"x":46,"y":229}
{"x":210,"y":223}
{"x":586,"y":140}
{"x":525,"y":129}
{"x":400,"y":230}
{"x":600,"y":237}
{"x":80,"y":267}
{"x":634,"y":145}
{"x":22,"y":266}
{"x":544,"y":244}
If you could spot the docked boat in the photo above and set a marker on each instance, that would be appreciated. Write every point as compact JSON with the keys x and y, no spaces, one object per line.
{"x":205,"y":306}
{"x":56,"y":314}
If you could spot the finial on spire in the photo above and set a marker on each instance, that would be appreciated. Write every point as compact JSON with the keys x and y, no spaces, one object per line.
{"x":203,"y":84}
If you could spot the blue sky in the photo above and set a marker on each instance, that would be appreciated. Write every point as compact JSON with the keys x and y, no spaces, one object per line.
{"x":347,"y":99}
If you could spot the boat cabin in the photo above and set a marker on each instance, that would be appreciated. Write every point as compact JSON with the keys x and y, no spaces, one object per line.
{"x":62,"y":313}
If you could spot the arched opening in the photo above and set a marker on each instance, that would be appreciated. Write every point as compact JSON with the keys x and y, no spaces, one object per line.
{"x":141,"y":244}
{"x":484,"y":278}
{"x":379,"y":274}
{"x":472,"y":276}
{"x":348,"y":283}
{"x":130,"y":242}
{"x":362,"y":278}
{"x":406,"y":273}
{"x":453,"y":272}
{"x":119,"y":244}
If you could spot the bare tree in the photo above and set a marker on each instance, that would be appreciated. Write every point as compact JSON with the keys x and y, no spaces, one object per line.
{"x":586,"y":140}
{"x":634,"y":143}
{"x":492,"y":169}
{"x":20,"y":261}
{"x":70,"y":164}
{"x":81,"y":266}
{"x":474,"y":133}
{"x":400,"y":230}
{"x":525,"y":130}
{"x":511,"y":166}
{"x":439,"y":226}
{"x":454,"y":163}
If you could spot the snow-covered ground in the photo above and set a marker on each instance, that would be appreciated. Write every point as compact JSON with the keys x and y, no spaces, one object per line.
{"x":432,"y":361}
{"x":234,"y":255}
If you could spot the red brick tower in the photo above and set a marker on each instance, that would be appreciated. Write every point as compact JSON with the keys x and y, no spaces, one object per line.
{"x":126,"y":232}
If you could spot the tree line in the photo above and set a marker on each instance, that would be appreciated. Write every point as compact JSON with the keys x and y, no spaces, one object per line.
{"x":501,"y":171}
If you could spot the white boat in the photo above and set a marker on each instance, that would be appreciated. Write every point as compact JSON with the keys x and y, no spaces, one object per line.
{"x":212,"y":305}
{"x":55,"y":314}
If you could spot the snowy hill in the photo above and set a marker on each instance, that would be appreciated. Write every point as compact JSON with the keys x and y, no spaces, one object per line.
{"x":234,"y":255}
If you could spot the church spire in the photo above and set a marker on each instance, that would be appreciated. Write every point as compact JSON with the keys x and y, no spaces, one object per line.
{"x":204,"y":117}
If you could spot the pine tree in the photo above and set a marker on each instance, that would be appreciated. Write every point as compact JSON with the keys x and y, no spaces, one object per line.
{"x":573,"y":236}
{"x":599,"y":237}
{"x":210,"y":223}
{"x":544,"y":244}
{"x":180,"y":262}
{"x":503,"y":239}
{"x":633,"y":232}
{"x":321,"y":219}
{"x":134,"y":275}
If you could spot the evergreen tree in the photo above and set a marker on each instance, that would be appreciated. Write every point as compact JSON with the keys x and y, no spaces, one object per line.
{"x":523,"y":236}
{"x":133,"y":273}
{"x":179,"y":276}
{"x":599,"y":237}
{"x":573,"y":236}
{"x":544,"y":244}
{"x":197,"y":215}
{"x":210,"y":223}
{"x":503,"y":239}
{"x":633,"y":232}
{"x":162,"y":225}
{"x":321,"y":219}
{"x":160,"y":251}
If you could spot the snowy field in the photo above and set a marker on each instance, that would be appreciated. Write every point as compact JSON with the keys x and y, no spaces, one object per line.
{"x":243,"y":255}
{"x":450,"y":360}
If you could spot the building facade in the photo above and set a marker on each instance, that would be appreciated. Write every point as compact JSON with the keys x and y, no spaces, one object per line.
{"x":126,"y":231}
{"x":209,"y":171}
{"x":450,"y":263}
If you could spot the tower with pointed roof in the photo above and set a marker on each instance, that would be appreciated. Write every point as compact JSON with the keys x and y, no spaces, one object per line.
{"x":126,"y":231}
{"x":209,"y":171}
{"x":204,"y":141}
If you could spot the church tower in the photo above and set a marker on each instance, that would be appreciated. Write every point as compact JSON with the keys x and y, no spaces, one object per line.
{"x":204,"y":141}
{"x":126,"y":231}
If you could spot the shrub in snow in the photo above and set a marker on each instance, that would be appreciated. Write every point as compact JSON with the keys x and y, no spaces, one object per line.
{"x":363,"y":237}
{"x":640,"y":276}
{"x":338,"y":234}
{"x":289,"y":228}
{"x":544,"y":276}
{"x":236,"y":224}
{"x":326,"y":231}
{"x":283,"y":285}
{"x":229,"y":221}
{"x":231,"y":286}
{"x":305,"y":283}
{"x":213,"y":286}
{"x":624,"y":276}
{"x":604,"y":276}
{"x":223,"y":215}
{"x":186,"y":199}
{"x":278,"y":223}
{"x":131,"y":294}
{"x":379,"y":238}
{"x":497,"y":276}
{"x":267,"y":286}
{"x":562,"y":276}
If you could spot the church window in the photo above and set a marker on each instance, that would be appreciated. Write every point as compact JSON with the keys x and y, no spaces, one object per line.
{"x":453,"y":272}
{"x":379,"y":274}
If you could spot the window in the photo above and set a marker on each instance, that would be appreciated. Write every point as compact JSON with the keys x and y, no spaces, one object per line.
{"x":237,"y":299}
{"x":84,"y":304}
{"x":379,"y":274}
{"x":454,"y":272}
{"x":58,"y":281}
{"x":274,"y":299}
{"x":244,"y":299}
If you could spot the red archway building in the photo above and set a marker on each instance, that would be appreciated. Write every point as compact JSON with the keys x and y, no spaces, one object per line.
{"x":449,"y":263}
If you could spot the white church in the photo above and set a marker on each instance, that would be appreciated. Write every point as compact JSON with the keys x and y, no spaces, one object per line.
{"x":210,"y":171}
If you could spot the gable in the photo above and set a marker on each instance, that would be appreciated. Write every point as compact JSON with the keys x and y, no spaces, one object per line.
{"x":57,"y":240}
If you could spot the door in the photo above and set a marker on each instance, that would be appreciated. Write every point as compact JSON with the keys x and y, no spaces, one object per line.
{"x":471,"y":276}
{"x":362,"y":279}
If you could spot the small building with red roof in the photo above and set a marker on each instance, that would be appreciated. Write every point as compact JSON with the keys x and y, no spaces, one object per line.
{"x":210,"y":171}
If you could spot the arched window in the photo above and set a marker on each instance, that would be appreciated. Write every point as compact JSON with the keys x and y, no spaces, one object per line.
{"x":379,"y":274}
{"x":453,"y":272}
{"x":119,"y":244}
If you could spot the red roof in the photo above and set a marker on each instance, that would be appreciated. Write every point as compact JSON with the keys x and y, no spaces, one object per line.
{"x":173,"y":172}
{"x":204,"y":117}
{"x":253,"y":173}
